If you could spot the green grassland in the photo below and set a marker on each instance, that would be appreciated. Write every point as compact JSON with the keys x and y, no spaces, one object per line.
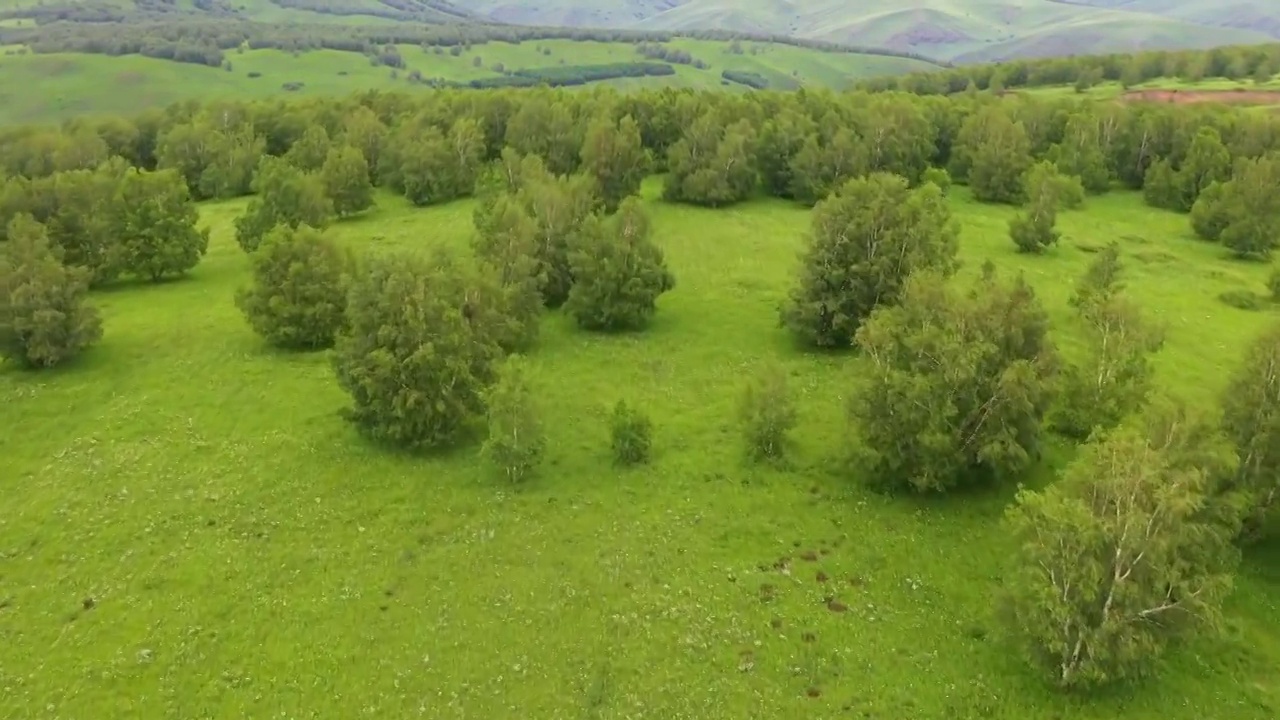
{"x":969,"y":30}
{"x":247,"y":554}
{"x":75,"y":84}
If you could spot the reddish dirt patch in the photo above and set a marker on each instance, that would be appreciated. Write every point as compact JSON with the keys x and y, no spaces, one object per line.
{"x":1184,"y":97}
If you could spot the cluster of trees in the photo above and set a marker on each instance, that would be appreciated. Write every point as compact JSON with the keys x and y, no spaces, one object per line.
{"x":1257,"y":62}
{"x":743,"y":77}
{"x":1133,"y":543}
{"x":658,"y":51}
{"x":567,"y":75}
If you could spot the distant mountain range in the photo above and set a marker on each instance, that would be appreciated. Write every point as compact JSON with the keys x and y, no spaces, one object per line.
{"x":958,"y":30}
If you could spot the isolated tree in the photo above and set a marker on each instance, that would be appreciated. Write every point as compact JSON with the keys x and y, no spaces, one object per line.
{"x":43,"y":316}
{"x":1112,"y":379}
{"x":310,"y":151}
{"x":618,"y":272}
{"x":345,"y":174}
{"x":767,"y":413}
{"x":865,"y":241}
{"x":713,"y":163}
{"x":1120,"y":555}
{"x":508,"y":246}
{"x":957,"y":384}
{"x":1046,"y":191}
{"x":298,"y":296}
{"x":612,"y":154}
{"x":1211,"y":213}
{"x":993,"y":153}
{"x":414,"y":362}
{"x":516,"y":440}
{"x":286,"y":196}
{"x":157,"y":230}
{"x":1252,"y":208}
{"x":630,"y":434}
{"x":1251,"y":420}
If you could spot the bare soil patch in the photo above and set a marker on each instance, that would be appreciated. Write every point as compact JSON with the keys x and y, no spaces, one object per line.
{"x":1238,"y":96}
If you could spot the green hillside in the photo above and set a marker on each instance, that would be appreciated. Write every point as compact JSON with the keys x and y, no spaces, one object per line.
{"x":75,"y":83}
{"x":969,"y":30}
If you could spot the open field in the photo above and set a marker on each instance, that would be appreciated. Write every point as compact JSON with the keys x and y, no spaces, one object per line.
{"x":75,"y":84}
{"x":968,"y":30}
{"x":1264,"y":96}
{"x":190,"y":530}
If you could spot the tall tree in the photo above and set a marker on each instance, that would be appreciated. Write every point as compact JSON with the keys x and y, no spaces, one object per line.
{"x":1046,"y":190}
{"x":618,"y":272}
{"x":286,"y":196}
{"x":345,"y":174}
{"x":713,"y":163}
{"x":865,"y":241}
{"x":508,"y":244}
{"x":517,"y":440}
{"x":1251,"y":419}
{"x":44,"y":320}
{"x":298,"y":296}
{"x":157,"y":231}
{"x":994,"y":152}
{"x":1083,"y":153}
{"x":957,"y":385}
{"x":310,"y":151}
{"x":613,"y":155}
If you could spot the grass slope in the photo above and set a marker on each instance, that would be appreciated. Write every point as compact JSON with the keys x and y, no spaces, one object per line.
{"x":969,"y":30}
{"x":248,"y":555}
{"x":74,"y":84}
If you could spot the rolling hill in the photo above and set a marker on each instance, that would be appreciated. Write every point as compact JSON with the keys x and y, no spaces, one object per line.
{"x":960,"y":30}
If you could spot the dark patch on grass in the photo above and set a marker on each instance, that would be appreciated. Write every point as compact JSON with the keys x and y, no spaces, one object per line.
{"x":1135,"y":239}
{"x":813,"y":692}
{"x":977,"y":632}
{"x":856,"y":581}
{"x":1243,"y":299}
{"x":836,"y":606}
{"x":383,"y":607}
{"x":88,"y":603}
{"x":6,"y":603}
{"x":795,"y":543}
{"x":782,"y":563}
{"x":822,"y":577}
{"x":775,"y":623}
{"x":824,"y":552}
{"x":1152,"y":257}
{"x":809,"y":637}
{"x":768,"y":593}
{"x":131,"y":77}
{"x":814,"y":490}
{"x":809,"y":556}
{"x":1088,"y":247}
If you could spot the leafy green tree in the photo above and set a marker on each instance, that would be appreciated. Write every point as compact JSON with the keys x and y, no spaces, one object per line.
{"x":865,"y":241}
{"x":781,"y":140}
{"x":1119,"y":556}
{"x":1252,"y":208}
{"x":544,"y":125}
{"x":1112,"y":379}
{"x":618,"y":272}
{"x":414,"y":361}
{"x":560,"y":207}
{"x":712,"y":164}
{"x":345,"y":174}
{"x":362,"y":130}
{"x":612,"y":154}
{"x":311,"y":150}
{"x":897,"y":135}
{"x":157,"y":230}
{"x":44,"y":320}
{"x":821,"y":167}
{"x":1177,"y":188}
{"x":1251,"y":420}
{"x":939,"y":177}
{"x":218,"y":160}
{"x":516,"y":441}
{"x":286,"y":196}
{"x":1082,"y":152}
{"x":631,"y":434}
{"x":768,"y":413}
{"x":298,"y":296}
{"x":957,"y":385}
{"x":428,"y":166}
{"x":993,"y":154}
{"x":1046,"y":190}
{"x":1211,"y":213}
{"x":508,"y":246}
{"x":81,"y":213}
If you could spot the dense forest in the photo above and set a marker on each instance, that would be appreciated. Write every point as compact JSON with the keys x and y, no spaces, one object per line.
{"x":1133,"y":545}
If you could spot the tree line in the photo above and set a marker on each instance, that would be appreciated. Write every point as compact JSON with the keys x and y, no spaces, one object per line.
{"x":1134,"y":545}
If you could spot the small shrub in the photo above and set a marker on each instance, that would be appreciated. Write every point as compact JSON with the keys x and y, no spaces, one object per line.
{"x":768,"y":414}
{"x":1243,"y":299}
{"x":631,"y":432}
{"x":254,"y":74}
{"x":293,"y":86}
{"x":455,"y":51}
{"x":516,"y":440}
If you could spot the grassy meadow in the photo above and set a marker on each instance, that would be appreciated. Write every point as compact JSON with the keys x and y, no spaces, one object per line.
{"x":191,"y":531}
{"x":74,"y":84}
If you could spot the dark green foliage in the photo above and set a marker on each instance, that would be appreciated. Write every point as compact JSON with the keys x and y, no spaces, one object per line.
{"x":428,"y":166}
{"x":939,"y":177}
{"x":618,"y":272}
{"x":569,"y":75}
{"x":546,"y":127}
{"x":1207,"y":161}
{"x":992,"y":154}
{"x":630,"y":433}
{"x":865,"y":241}
{"x":507,"y":245}
{"x":1249,"y":208}
{"x":559,"y":207}
{"x":768,"y":413}
{"x":1112,"y":379}
{"x":1211,"y":213}
{"x":1273,"y":285}
{"x":1243,"y":299}
{"x":44,"y":320}
{"x":216,"y":158}
{"x":516,"y":440}
{"x":310,"y":151}
{"x":613,"y":155}
{"x":345,"y":174}
{"x":286,"y":196}
{"x":1119,"y":557}
{"x":1251,"y":420}
{"x":157,"y":231}
{"x":783,"y":137}
{"x":419,"y":350}
{"x":1082,"y":152}
{"x":743,"y":77}
{"x":1045,"y":190}
{"x":957,"y":384}
{"x":299,"y":293}
{"x":713,"y":163}
{"x":823,"y":166}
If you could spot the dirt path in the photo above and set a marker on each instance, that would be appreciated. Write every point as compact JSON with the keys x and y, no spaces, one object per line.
{"x":1240,"y":96}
